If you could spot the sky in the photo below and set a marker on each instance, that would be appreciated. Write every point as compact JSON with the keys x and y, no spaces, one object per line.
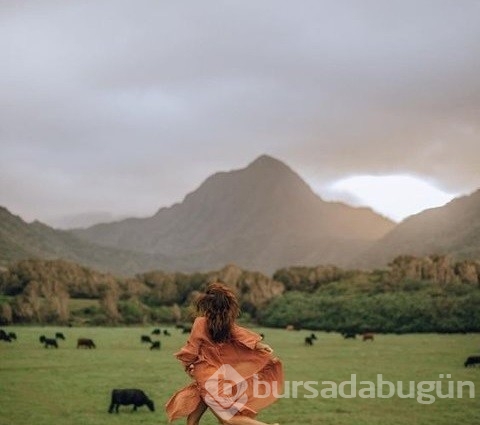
{"x":112,"y":108}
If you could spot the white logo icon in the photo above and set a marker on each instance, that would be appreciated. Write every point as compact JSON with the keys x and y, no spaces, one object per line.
{"x":226,"y":392}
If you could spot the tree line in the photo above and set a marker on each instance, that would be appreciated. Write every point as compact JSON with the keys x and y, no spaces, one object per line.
{"x":428,"y":294}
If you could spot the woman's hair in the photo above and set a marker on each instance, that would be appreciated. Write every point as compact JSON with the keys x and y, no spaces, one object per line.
{"x":220,"y":307}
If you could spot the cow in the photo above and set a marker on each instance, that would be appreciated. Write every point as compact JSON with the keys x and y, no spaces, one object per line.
{"x":349,"y":335}
{"x":313,"y":336}
{"x":60,"y":335}
{"x":308,"y":340}
{"x":367,"y":336}
{"x":472,"y":361}
{"x":85,"y":343}
{"x":12,"y":335}
{"x":48,"y":342}
{"x":145,"y":338}
{"x":186,"y":329}
{"x":126,"y":397}
{"x":156,"y":331}
{"x":155,"y":345}
{"x":262,"y":336}
{"x":166,"y":333}
{"x":4,"y":336}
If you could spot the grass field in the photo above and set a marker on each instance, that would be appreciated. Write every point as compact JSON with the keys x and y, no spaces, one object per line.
{"x":69,"y":386}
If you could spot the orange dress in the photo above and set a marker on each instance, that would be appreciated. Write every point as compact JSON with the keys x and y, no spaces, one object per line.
{"x":232,"y":378}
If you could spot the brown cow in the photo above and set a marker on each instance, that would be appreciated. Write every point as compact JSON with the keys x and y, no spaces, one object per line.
{"x":367,"y":336}
{"x":85,"y":343}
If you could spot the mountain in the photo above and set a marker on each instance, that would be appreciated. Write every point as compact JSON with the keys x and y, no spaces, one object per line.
{"x":87,"y":219}
{"x":453,"y":229}
{"x":261,"y":217}
{"x":20,"y":240}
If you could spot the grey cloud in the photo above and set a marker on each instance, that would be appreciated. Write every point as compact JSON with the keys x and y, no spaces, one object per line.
{"x":126,"y":106}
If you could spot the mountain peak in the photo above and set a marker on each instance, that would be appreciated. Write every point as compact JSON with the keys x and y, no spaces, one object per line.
{"x":267,"y":161}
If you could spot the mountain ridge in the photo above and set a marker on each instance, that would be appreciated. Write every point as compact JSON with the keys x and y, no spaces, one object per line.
{"x":452,"y":229}
{"x":20,"y":240}
{"x":245,"y":216}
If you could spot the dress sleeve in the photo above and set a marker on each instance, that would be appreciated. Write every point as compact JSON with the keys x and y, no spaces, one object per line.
{"x":189,"y":353}
{"x":246,"y":336}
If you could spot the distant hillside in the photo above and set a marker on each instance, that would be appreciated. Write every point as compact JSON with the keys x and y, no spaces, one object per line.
{"x":453,"y":229}
{"x":261,"y":217}
{"x":20,"y":240}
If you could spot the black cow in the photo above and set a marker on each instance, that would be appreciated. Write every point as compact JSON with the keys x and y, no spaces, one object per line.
{"x":12,"y":335}
{"x":313,"y":336}
{"x":125,"y":397}
{"x":4,"y":336}
{"x":166,"y":333}
{"x":85,"y":343}
{"x":146,"y":338}
{"x":155,"y":345}
{"x":472,"y":361}
{"x":48,"y":342}
{"x":156,"y":331}
{"x":308,"y":340}
{"x":59,"y":335}
{"x":187,"y":329}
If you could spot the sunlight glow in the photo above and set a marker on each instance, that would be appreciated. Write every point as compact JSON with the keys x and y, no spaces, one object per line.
{"x":394,"y":196}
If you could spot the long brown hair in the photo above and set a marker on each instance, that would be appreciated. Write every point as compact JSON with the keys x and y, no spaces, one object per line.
{"x":220,"y":307}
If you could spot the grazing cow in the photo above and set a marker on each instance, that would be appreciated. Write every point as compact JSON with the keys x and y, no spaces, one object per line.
{"x":12,"y":335}
{"x":367,"y":337}
{"x":85,"y":343}
{"x":155,"y":345}
{"x":166,"y":333}
{"x":59,"y":335}
{"x":125,"y":397}
{"x":187,"y":329}
{"x":4,"y":336}
{"x":313,"y":336}
{"x":156,"y":331}
{"x":145,"y":338}
{"x":351,"y":335}
{"x":48,"y":342}
{"x":308,"y":340}
{"x":472,"y":361}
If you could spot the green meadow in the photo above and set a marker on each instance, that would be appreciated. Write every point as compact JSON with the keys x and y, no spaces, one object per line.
{"x":69,"y":386}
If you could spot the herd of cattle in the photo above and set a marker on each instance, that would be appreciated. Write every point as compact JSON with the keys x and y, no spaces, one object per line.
{"x":52,"y":342}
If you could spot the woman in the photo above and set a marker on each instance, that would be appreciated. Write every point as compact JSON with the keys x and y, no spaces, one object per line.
{"x":235,"y":375}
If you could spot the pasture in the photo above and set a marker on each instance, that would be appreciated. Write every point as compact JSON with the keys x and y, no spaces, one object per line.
{"x":71,"y":386}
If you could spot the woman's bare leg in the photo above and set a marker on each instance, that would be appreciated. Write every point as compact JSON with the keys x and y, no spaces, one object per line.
{"x":244,"y":420}
{"x":194,"y":417}
{"x":240,"y":420}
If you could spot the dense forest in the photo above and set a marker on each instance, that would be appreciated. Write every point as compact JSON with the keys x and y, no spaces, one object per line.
{"x":428,"y":294}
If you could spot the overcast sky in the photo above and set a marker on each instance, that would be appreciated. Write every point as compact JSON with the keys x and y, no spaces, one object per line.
{"x":123,"y":107}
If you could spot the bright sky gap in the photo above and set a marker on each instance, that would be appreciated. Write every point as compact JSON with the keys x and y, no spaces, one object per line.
{"x":394,"y":196}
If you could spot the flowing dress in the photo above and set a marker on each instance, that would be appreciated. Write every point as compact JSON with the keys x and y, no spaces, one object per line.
{"x":241,"y":379}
